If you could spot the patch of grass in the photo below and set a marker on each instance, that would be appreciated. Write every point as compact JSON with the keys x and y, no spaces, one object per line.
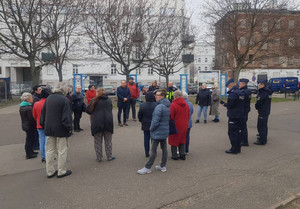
{"x":274,"y":99}
{"x":9,"y":102}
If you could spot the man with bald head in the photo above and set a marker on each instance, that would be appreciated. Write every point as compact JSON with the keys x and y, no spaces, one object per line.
{"x":170,"y":91}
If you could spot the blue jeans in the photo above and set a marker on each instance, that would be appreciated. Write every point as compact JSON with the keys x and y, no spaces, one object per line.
{"x":217,"y":117}
{"x":147,"y":142}
{"x":200,"y":109}
{"x":187,"y":140}
{"x":131,"y":104}
{"x":43,"y":141}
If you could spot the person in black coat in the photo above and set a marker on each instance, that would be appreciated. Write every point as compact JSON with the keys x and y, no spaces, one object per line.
{"x":236,"y":115}
{"x":102,"y":125}
{"x":28,"y":124}
{"x":263,"y":106}
{"x":123,"y":94}
{"x":56,"y":120}
{"x":78,"y":107}
{"x":145,"y":117}
{"x":203,"y":99}
{"x":153,"y":88}
{"x":244,"y":131}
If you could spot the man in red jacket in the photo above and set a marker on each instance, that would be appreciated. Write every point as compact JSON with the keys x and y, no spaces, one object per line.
{"x":135,"y":92}
{"x":36,"y":112}
{"x":180,"y":113}
{"x":90,"y":94}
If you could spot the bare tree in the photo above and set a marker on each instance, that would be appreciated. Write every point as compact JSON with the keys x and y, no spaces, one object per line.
{"x":166,"y":56}
{"x":125,"y":30}
{"x":246,"y":32}
{"x":62,"y":23}
{"x":21,"y":26}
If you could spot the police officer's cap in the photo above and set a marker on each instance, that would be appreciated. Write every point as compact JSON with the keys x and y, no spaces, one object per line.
{"x":263,"y":81}
{"x":244,"y":80}
{"x":229,"y":82}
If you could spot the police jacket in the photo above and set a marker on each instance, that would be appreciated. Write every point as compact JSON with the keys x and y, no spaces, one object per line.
{"x":203,"y":98}
{"x":235,"y":104}
{"x":263,"y":104}
{"x":170,"y":93}
{"x":247,"y":93}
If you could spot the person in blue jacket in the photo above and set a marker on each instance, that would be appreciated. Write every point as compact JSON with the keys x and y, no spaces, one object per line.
{"x":185,"y":96}
{"x":145,"y":117}
{"x":236,"y":114}
{"x":263,"y":106}
{"x":159,"y":132}
{"x":123,"y":94}
{"x":244,"y":131}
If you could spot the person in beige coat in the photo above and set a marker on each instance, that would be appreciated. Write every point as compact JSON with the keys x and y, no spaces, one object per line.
{"x":215,"y":101}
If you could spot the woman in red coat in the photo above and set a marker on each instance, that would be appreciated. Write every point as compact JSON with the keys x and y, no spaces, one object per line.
{"x":180,"y":114}
{"x":91,"y":93}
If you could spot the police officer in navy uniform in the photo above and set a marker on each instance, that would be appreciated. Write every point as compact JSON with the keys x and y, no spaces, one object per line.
{"x":244,"y":131}
{"x":263,"y":106}
{"x":236,"y":114}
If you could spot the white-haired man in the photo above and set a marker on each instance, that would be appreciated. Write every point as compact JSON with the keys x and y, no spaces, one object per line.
{"x":56,"y":119}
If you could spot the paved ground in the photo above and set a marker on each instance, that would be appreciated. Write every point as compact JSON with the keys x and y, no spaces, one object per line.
{"x":259,"y":177}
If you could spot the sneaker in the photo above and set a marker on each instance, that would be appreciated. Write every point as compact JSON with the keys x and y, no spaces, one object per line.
{"x":197,"y":121}
{"x":204,"y":121}
{"x":111,"y":158}
{"x":144,"y":171}
{"x":125,"y":124}
{"x":120,"y":124}
{"x":159,"y":168}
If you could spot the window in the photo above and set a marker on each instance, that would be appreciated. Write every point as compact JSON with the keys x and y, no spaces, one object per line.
{"x":199,"y":60}
{"x":91,"y":48}
{"x":213,"y":60}
{"x":265,"y":46}
{"x":150,"y":70}
{"x":242,"y":41}
{"x":251,"y":56}
{"x":138,"y":71}
{"x":162,"y":11}
{"x":265,"y":26}
{"x":199,"y":68}
{"x":277,"y":25}
{"x":291,"y":42}
{"x":150,"y":11}
{"x":75,"y":69}
{"x":205,"y":68}
{"x":138,"y":11}
{"x":0,"y":70}
{"x":243,"y":23}
{"x":277,"y":42}
{"x":172,"y":71}
{"x":99,"y":51}
{"x":206,"y":60}
{"x":14,"y":28}
{"x":113,"y":70}
{"x":171,"y":11}
{"x":291,"y":24}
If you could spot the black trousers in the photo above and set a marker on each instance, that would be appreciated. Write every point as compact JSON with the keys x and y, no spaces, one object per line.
{"x":36,"y":144}
{"x":181,"y":149}
{"x":29,"y":142}
{"x":244,"y":130}
{"x":262,"y":128}
{"x":234,"y":127}
{"x":122,"y":107}
{"x":131,"y":104}
{"x":77,"y":116}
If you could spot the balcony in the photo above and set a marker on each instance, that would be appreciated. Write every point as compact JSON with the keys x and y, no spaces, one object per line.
{"x":187,"y":58}
{"x":187,"y":39}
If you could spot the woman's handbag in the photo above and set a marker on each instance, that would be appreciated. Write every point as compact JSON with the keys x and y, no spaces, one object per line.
{"x":172,"y":127}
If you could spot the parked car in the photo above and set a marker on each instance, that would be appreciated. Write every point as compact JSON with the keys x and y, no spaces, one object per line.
{"x":19,"y":89}
{"x":192,"y":88}
{"x":210,"y":86}
{"x":110,"y":90}
{"x":252,"y":87}
{"x":289,"y":84}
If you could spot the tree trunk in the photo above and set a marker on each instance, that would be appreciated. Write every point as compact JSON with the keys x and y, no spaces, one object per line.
{"x":34,"y":73}
{"x":236,"y":74}
{"x":127,"y":77}
{"x":60,"y":76}
{"x":167,"y":80}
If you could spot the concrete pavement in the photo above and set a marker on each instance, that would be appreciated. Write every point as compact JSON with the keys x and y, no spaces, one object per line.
{"x":260,"y":177}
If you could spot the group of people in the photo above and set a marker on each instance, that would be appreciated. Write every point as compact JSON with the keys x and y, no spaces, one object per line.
{"x":166,"y":114}
{"x":238,"y":108}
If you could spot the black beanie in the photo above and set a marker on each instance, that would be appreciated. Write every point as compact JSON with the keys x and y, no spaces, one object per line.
{"x":44,"y":93}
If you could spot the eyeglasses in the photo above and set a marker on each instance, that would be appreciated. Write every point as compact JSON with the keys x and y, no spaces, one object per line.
{"x":157,"y":95}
